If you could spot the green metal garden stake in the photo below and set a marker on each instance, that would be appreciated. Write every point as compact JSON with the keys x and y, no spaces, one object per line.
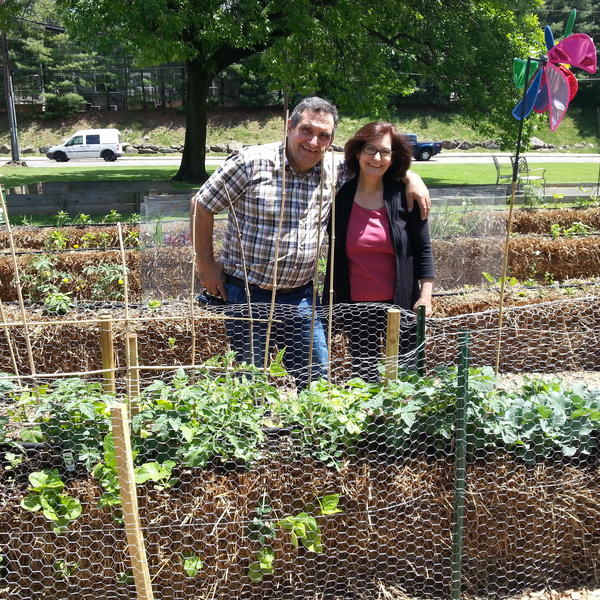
{"x":460,"y":440}
{"x":421,"y":340}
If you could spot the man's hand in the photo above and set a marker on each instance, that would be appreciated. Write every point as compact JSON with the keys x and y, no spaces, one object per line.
{"x":211,"y":277}
{"x":416,"y":190}
{"x":425,"y":297}
{"x":210,"y":270}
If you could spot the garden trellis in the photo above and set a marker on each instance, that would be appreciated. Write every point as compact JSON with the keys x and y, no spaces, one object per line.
{"x":247,"y":488}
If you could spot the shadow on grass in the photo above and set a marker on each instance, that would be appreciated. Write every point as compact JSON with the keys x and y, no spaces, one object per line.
{"x":16,"y":176}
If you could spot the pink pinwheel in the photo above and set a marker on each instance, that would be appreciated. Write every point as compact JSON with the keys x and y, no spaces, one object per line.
{"x":553,"y":85}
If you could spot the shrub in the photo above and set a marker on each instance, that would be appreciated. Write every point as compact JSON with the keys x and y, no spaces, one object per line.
{"x":63,"y":105}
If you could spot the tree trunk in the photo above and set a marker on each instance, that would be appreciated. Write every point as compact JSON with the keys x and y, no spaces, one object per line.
{"x":193,"y":169}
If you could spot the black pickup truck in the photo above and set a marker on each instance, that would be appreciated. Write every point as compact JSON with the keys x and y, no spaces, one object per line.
{"x":423,"y":150}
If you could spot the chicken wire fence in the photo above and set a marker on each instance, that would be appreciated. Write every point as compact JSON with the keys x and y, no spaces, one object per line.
{"x":436,"y":481}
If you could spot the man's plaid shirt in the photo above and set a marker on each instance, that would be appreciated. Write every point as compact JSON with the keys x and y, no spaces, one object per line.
{"x":253,"y":181}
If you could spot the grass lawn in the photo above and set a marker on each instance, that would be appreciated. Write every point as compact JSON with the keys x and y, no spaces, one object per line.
{"x":433,"y":174}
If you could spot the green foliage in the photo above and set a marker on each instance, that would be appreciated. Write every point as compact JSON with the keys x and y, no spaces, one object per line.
{"x":112,"y":217}
{"x":327,"y":425}
{"x":63,"y":105}
{"x":216,"y":419}
{"x":575,"y":229}
{"x":46,"y":497}
{"x":57,"y":241}
{"x":75,"y":416}
{"x":192,"y":563}
{"x":106,"y":281}
{"x":512,"y":281}
{"x":42,"y":278}
{"x":303,"y":529}
{"x":58,"y":303}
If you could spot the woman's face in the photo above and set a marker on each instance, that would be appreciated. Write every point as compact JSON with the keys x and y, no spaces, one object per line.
{"x":376,"y":156}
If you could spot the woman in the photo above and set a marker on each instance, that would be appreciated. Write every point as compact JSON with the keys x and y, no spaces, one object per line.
{"x":382,"y":253}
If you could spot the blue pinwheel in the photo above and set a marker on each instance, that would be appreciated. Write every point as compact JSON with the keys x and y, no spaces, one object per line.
{"x":553,"y":85}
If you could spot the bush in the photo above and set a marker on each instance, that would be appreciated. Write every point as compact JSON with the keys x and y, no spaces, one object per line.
{"x":63,"y":105}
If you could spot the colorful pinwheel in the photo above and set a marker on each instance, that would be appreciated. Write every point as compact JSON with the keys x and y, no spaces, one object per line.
{"x":553,"y":85}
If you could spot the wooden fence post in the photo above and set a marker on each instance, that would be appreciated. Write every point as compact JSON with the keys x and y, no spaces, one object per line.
{"x":133,"y":379}
{"x":108,"y":355}
{"x":133,"y":529}
{"x":392,"y":345}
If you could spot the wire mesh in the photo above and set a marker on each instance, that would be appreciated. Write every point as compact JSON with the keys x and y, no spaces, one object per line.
{"x":249,"y":486}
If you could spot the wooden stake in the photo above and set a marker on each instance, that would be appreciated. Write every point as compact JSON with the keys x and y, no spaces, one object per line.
{"x":392,"y":345}
{"x":133,"y":380}
{"x":108,"y":355}
{"x":133,"y":529}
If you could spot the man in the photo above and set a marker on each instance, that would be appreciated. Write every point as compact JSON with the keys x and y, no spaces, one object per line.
{"x":251,"y":185}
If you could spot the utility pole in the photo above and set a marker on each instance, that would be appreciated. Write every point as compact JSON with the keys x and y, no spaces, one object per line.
{"x":10,"y":99}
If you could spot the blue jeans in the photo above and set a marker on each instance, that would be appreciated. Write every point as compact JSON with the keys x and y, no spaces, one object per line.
{"x":291,"y":330}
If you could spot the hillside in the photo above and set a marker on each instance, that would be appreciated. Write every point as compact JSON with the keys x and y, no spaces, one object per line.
{"x":250,"y":126}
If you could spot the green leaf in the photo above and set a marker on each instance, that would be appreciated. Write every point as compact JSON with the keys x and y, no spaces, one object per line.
{"x":192,"y":563}
{"x":31,"y":502}
{"x":154,"y":471}
{"x":329,"y":504}
{"x":46,"y":480}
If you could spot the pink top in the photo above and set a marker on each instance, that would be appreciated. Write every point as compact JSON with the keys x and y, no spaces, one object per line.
{"x":371,"y":256}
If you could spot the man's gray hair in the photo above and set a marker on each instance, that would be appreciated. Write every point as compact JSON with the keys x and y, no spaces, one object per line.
{"x":317,"y":105}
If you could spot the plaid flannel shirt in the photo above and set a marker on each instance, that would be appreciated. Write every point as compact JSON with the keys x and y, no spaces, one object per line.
{"x":252,"y":181}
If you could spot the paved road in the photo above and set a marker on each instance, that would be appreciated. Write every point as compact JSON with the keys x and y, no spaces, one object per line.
{"x":444,"y":158}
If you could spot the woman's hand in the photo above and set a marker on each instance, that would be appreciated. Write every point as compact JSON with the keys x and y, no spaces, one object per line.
{"x":416,"y":191}
{"x":425,"y":297}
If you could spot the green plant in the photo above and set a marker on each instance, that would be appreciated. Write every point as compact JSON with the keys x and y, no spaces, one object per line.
{"x":533,"y":194}
{"x":75,"y":416}
{"x":82,"y":219}
{"x":107,"y":281}
{"x":512,"y":281}
{"x":327,"y":423}
{"x":549,"y":277}
{"x":61,"y":218}
{"x":303,"y":529}
{"x":58,"y":303}
{"x":154,"y":305}
{"x":62,"y":105}
{"x":131,"y":239}
{"x":63,"y":569}
{"x":134,"y":219}
{"x":46,"y":496}
{"x":57,"y":241}
{"x":112,"y":217}
{"x":215,"y":419}
{"x":42,"y":278}
{"x":192,"y":563}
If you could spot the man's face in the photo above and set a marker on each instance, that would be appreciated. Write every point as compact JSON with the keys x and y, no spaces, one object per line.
{"x":306,"y":141}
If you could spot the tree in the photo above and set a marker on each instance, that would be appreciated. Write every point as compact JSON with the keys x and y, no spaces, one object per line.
{"x":361,"y":51}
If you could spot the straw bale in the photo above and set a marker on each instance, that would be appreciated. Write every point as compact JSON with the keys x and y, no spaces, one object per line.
{"x":563,"y":258}
{"x":528,"y":221}
{"x":525,"y":525}
{"x":38,"y":238}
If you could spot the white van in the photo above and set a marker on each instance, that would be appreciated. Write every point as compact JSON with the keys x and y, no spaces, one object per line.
{"x":89,"y":143}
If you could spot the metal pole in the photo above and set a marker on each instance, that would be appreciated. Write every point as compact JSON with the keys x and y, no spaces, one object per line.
{"x":10,"y":100}
{"x":460,"y":437}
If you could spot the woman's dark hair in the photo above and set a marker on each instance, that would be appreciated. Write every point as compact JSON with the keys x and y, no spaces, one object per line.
{"x":401,"y":158}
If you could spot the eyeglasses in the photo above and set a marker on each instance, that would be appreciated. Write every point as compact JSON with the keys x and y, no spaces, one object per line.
{"x":383,"y":152}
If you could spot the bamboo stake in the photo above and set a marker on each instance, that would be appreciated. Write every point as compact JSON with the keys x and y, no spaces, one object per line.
{"x":126,"y":301}
{"x":133,"y":529}
{"x":18,"y":283}
{"x":133,"y":379}
{"x":392,"y":345}
{"x":278,"y":239}
{"x":316,"y":275}
{"x":331,"y":267}
{"x":192,"y":300}
{"x":510,"y":213}
{"x":245,"y":269}
{"x":13,"y":358}
{"x":108,"y":355}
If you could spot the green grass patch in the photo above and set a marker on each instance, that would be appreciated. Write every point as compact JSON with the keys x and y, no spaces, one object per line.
{"x":477,"y":174}
{"x":16,"y":176}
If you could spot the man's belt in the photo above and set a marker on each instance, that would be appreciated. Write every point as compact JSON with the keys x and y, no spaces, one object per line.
{"x":231,"y":280}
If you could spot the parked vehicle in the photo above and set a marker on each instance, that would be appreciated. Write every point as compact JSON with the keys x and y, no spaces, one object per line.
{"x":423,"y":150}
{"x":89,"y":143}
